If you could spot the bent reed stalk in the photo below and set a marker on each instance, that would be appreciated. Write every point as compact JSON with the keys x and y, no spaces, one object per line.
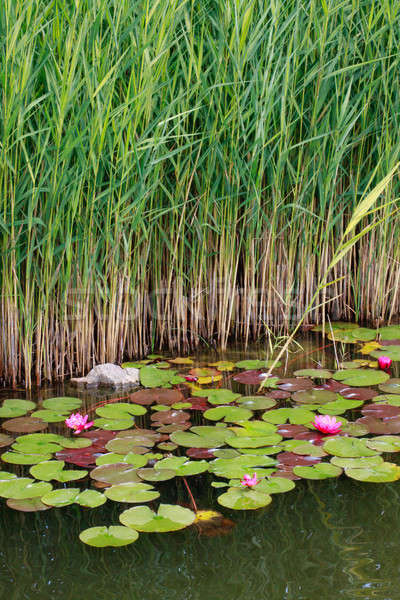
{"x":179,"y":171}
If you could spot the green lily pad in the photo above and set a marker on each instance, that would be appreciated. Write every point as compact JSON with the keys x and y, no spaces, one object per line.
{"x":230,"y":414}
{"x":123,"y":445}
{"x":60,"y":498}
{"x":255,"y":441}
{"x":391,"y":399}
{"x":120,"y":410}
{"x":314,"y":373}
{"x":256,"y":402}
{"x":115,"y":473}
{"x":133,"y":493}
{"x":50,"y":416}
{"x":62,"y":405}
{"x":364,"y":334}
{"x":90,"y":499}
{"x":18,"y":458}
{"x":392,"y":386}
{"x":357,"y":463}
{"x":23,"y":487}
{"x":347,"y":447}
{"x":75,"y":442}
{"x":383,"y":473}
{"x":391,"y":332}
{"x":168,"y":518}
{"x":318,"y":471}
{"x":274,"y":485}
{"x":181,"y":466}
{"x":295,"y":416}
{"x":223,"y":365}
{"x":151,"y":377}
{"x":114,"y":424}
{"x":308,"y":449}
{"x":136,"y":460}
{"x":15,"y":408}
{"x":336,"y":326}
{"x":392,"y":352}
{"x":314,"y":397}
{"x":253,"y":428}
{"x":361,"y":377}
{"x":264,"y":451}
{"x":115,"y":536}
{"x":384,"y":443}
{"x":219,"y":396}
{"x":154,"y":475}
{"x":236,"y":468}
{"x":244,"y":499}
{"x":54,"y":470}
{"x":5,"y":476}
{"x":36,"y":447}
{"x":339,"y":406}
{"x":199,"y":437}
{"x":354,"y":429}
{"x":256,"y":364}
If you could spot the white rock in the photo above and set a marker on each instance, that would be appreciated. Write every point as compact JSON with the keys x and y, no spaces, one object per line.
{"x":109,"y":374}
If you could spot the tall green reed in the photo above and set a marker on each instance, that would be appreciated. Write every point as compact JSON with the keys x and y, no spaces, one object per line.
{"x":179,"y":171}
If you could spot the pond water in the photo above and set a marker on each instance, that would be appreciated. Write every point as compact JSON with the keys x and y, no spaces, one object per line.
{"x":329,"y":539}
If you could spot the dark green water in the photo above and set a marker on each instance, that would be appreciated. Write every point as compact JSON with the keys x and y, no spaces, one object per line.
{"x":324,"y":540}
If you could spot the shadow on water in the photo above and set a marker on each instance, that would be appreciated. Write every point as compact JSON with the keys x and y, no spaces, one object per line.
{"x":325,"y":540}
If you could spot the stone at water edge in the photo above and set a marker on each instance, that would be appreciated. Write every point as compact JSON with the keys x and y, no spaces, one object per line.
{"x":109,"y":374}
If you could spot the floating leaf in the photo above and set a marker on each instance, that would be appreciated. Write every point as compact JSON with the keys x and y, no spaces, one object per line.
{"x":347,"y":447}
{"x":157,"y":395}
{"x":319,"y":471}
{"x":123,"y":445}
{"x":256,"y":402}
{"x":362,"y":462}
{"x":154,"y":475}
{"x":296,"y":416}
{"x":292,"y":459}
{"x":386,"y":425}
{"x":90,"y":499}
{"x":181,"y":466}
{"x":115,"y":536}
{"x":313,"y":373}
{"x":60,"y":498}
{"x":120,"y":410}
{"x":115,"y":473}
{"x":384,"y":443}
{"x":314,"y":397}
{"x":24,"y":425}
{"x":383,"y":473}
{"x":136,"y":460}
{"x":364,"y":334}
{"x":392,"y":386}
{"x":133,"y":493}
{"x":252,"y":377}
{"x":244,"y":499}
{"x":114,"y":424}
{"x":27,"y":505}
{"x":295,"y":384}
{"x":54,"y":470}
{"x":168,"y":518}
{"x":50,"y":416}
{"x":152,"y":377}
{"x":181,"y":360}
{"x":254,"y":442}
{"x":5,"y":476}
{"x":230,"y":414}
{"x":392,"y":352}
{"x":5,"y":440}
{"x":63,"y":404}
{"x":220,"y":396}
{"x":339,"y":406}
{"x":23,"y":487}
{"x":15,"y":408}
{"x":256,"y":364}
{"x":391,"y":332}
{"x":361,"y":377}
{"x":236,"y":468}
{"x":18,"y":458}
{"x":223,"y":365}
{"x":392,"y":399}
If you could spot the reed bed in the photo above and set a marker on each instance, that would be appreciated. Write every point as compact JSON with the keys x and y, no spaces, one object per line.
{"x":174,"y":172}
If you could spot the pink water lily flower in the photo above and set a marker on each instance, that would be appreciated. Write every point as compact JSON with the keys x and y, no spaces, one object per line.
{"x":78,"y":422}
{"x":250,"y":482}
{"x":327,"y":424}
{"x":191,"y":378}
{"x":384,"y":362}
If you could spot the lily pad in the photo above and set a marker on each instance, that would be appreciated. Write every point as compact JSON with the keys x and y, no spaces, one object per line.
{"x":256,"y":402}
{"x":244,"y":499}
{"x":387,"y":425}
{"x":392,"y":386}
{"x":347,"y":447}
{"x":392,"y":352}
{"x":392,"y":399}
{"x":54,"y":470}
{"x":296,"y":416}
{"x":90,"y":499}
{"x":363,"y":462}
{"x":62,"y":404}
{"x":115,"y":473}
{"x":384,"y":443}
{"x":23,"y":487}
{"x":151,"y":377}
{"x":319,"y":471}
{"x":61,"y":497}
{"x":296,"y":384}
{"x":314,"y":373}
{"x":123,"y":445}
{"x":169,"y":517}
{"x":115,"y":536}
{"x":391,"y":332}
{"x":314,"y":397}
{"x":256,"y":364}
{"x":236,"y":468}
{"x":5,"y":440}
{"x":50,"y":416}
{"x":120,"y":410}
{"x":19,"y":458}
{"x":15,"y":408}
{"x":154,"y":475}
{"x":182,"y":466}
{"x":339,"y":406}
{"x":252,"y":377}
{"x":157,"y":395}
{"x":114,"y":424}
{"x":136,"y":460}
{"x":133,"y":493}
{"x":223,"y":365}
{"x":361,"y":377}
{"x":27,"y":505}
{"x":230,"y":414}
{"x":383,"y":473}
{"x":219,"y":396}
{"x":255,"y":441}
{"x":364,"y":334}
{"x":24,"y":425}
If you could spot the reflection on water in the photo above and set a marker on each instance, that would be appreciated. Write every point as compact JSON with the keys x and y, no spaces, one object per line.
{"x":325,"y":540}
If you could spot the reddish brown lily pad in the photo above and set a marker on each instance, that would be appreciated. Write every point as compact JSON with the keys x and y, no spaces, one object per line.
{"x":380,"y":410}
{"x":291,"y":459}
{"x":24,"y":425}
{"x":157,"y":396}
{"x":278,"y":395}
{"x":290,"y":431}
{"x":316,"y":438}
{"x":173,"y":427}
{"x":295,"y":384}
{"x":250,"y":377}
{"x":286,"y":472}
{"x":27,"y":504}
{"x":206,"y":453}
{"x":387,"y":425}
{"x":170,"y":416}
{"x":350,"y":393}
{"x":389,"y":342}
{"x":81,"y":457}
{"x":198,"y":404}
{"x":5,"y":440}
